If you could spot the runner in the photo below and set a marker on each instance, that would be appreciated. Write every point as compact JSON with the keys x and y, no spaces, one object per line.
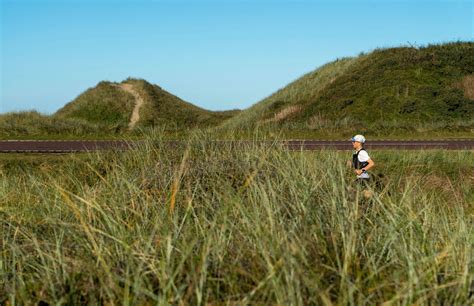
{"x":361,"y":161}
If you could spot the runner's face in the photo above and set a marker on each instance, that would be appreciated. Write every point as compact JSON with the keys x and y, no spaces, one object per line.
{"x":356,"y":145}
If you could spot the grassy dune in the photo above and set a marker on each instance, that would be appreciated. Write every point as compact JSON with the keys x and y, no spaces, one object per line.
{"x":163,"y":109}
{"x":105,"y":103}
{"x":105,"y":110}
{"x":108,"y":104}
{"x":408,"y":91}
{"x":248,"y":225}
{"x":304,"y":89}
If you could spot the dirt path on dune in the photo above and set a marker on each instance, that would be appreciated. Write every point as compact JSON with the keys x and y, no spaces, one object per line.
{"x":138,"y":104}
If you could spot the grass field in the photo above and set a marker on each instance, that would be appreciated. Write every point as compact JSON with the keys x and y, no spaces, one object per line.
{"x":345,"y":130}
{"x":250,"y":225}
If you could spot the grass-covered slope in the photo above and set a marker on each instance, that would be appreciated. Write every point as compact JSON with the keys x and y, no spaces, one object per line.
{"x":388,"y":87}
{"x":283,"y":104}
{"x":108,"y":110}
{"x":106,"y":103}
{"x":109,"y":103}
{"x":402,"y":83}
{"x":161,"y":108}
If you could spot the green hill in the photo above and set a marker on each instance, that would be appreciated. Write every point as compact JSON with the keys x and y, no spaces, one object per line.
{"x":113,"y":109}
{"x":291,"y":97}
{"x":114,"y":103}
{"x":381,"y":92}
{"x":161,"y":108}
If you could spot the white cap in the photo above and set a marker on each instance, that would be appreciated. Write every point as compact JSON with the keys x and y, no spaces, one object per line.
{"x":358,"y":138}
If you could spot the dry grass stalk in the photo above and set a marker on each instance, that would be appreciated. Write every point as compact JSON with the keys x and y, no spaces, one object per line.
{"x":177,"y":180}
{"x":317,"y":121}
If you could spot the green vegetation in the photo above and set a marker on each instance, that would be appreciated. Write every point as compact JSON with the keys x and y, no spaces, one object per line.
{"x":105,"y":111}
{"x":208,"y":223}
{"x":162,"y":109}
{"x":109,"y":103}
{"x":389,"y":91}
{"x":35,"y":125}
{"x":304,"y":89}
{"x":104,"y":104}
{"x":345,"y":128}
{"x":408,"y":84}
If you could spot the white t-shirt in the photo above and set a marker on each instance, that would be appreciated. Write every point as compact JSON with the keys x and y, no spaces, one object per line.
{"x":363,"y":157}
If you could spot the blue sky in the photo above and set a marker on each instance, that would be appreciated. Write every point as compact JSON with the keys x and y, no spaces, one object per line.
{"x":216,"y":54}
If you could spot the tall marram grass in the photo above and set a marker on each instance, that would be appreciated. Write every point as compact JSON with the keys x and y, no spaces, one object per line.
{"x":248,"y":224}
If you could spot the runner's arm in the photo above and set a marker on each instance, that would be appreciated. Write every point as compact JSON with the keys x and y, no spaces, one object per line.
{"x":370,"y":165}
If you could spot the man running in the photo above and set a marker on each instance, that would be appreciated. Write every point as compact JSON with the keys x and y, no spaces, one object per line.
{"x":361,"y":161}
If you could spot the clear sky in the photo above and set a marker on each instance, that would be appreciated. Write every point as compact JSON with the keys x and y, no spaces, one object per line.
{"x":216,"y":54}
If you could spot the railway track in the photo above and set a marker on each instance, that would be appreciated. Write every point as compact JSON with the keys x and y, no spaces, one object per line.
{"x":68,"y":146}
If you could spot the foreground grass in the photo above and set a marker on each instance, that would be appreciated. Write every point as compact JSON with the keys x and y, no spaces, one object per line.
{"x":218,"y":224}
